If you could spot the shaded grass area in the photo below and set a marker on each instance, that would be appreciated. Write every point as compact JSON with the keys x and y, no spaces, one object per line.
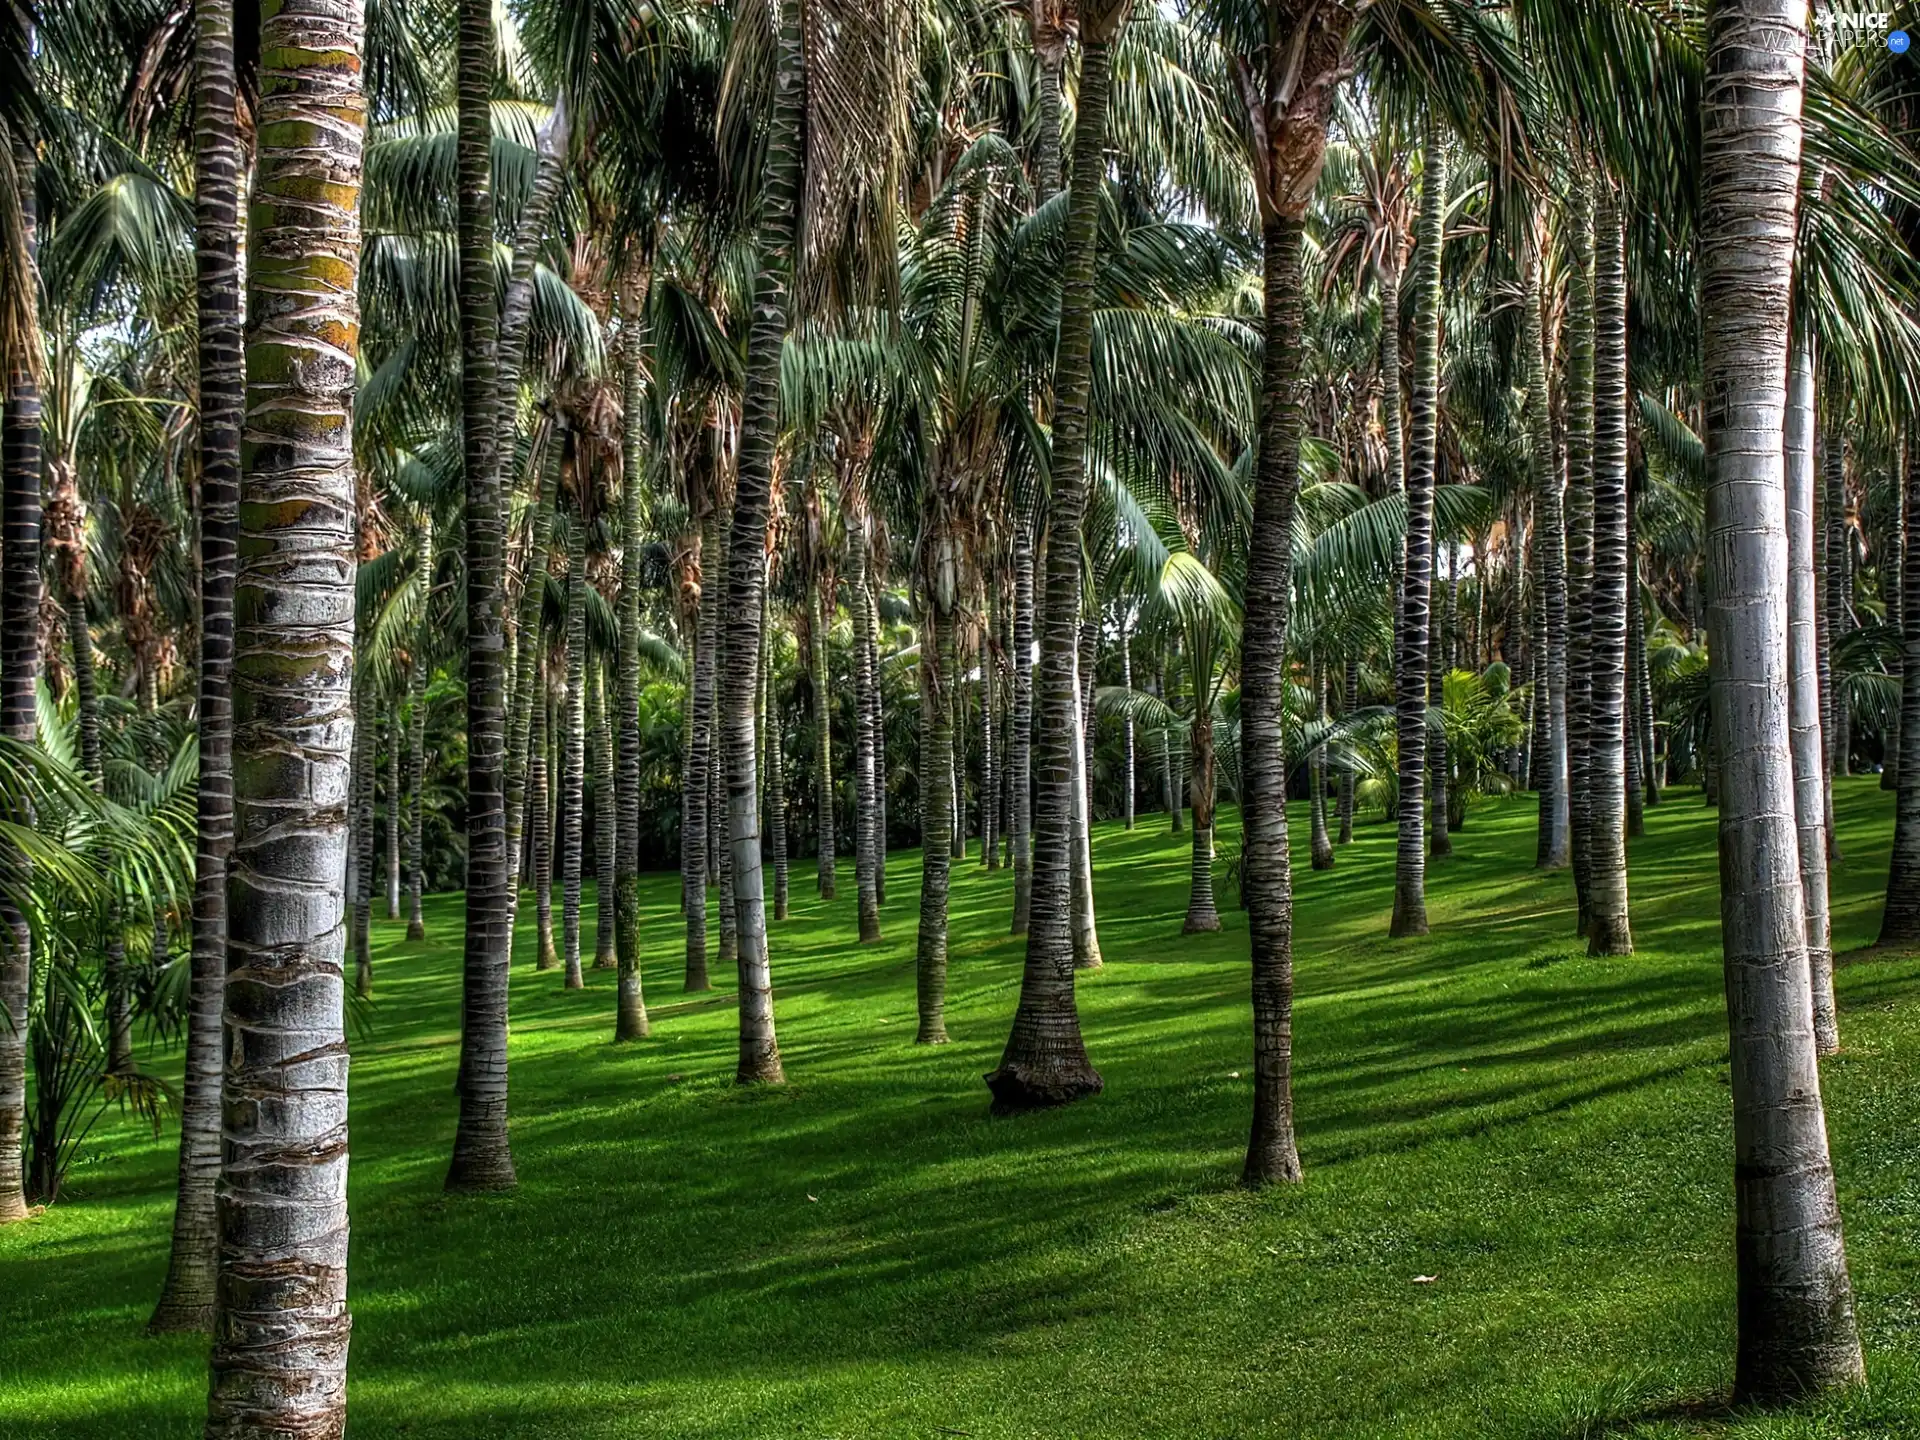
{"x":863,"y":1252}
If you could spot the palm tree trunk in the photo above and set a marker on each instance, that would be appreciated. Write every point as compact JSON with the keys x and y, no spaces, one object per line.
{"x":777,"y":796}
{"x":1317,"y":785}
{"x":1900,"y":921}
{"x":1899,"y":601}
{"x":1202,"y":914}
{"x":19,"y":673}
{"x":879,"y":740}
{"x":417,"y":675}
{"x":695,"y":784}
{"x":1609,"y":931}
{"x":539,"y":798}
{"x":186,"y":1296}
{"x":823,"y":739}
{"x":866,"y":845}
{"x":1169,"y":769}
{"x":600,"y":756}
{"x":630,"y":1014}
{"x":1126,"y":683}
{"x":1550,"y":595}
{"x":957,"y":776}
{"x":1825,"y":539}
{"x":1410,"y":874}
{"x":1803,"y":677}
{"x":1349,"y":704}
{"x":1086,"y":934}
{"x":1020,"y":734}
{"x":1439,"y":833}
{"x":940,"y":672}
{"x":573,"y":753}
{"x":747,"y":558}
{"x":1045,"y":1061}
{"x":989,"y":840}
{"x":393,"y":824}
{"x":1581,"y":420}
{"x":279,"y":1362}
{"x":1839,"y":598}
{"x":1795,"y":1306}
{"x":482,"y":1157}
{"x":366,"y":729}
{"x":1638,"y":781}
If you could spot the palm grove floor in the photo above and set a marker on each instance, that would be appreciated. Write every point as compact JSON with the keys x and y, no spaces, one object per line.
{"x":1517,"y":1218}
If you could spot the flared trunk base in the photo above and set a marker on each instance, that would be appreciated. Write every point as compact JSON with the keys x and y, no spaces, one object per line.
{"x":1200,"y":922}
{"x":1271,"y":1160}
{"x":185,"y":1317}
{"x":1609,"y":935}
{"x":416,"y":931}
{"x":1019,"y":1087}
{"x":1409,"y":916}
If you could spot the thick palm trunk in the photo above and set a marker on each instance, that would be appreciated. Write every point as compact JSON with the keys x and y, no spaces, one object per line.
{"x":747,"y":557}
{"x":279,"y":1362}
{"x":1795,"y":1306}
{"x":695,"y":786}
{"x":1410,"y":873}
{"x":186,"y":1297}
{"x":867,"y":847}
{"x":1608,"y":928}
{"x":1020,"y":736}
{"x":482,"y":1158}
{"x":19,"y":673}
{"x":823,"y":739}
{"x":1803,"y":678}
{"x":600,"y":756}
{"x":939,"y":674}
{"x":1045,"y":1061}
{"x":1900,"y":921}
{"x":1550,"y":596}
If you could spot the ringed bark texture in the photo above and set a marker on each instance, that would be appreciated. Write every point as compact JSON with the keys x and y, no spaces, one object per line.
{"x":279,"y":1363}
{"x":1795,"y":1306}
{"x":1900,"y":922}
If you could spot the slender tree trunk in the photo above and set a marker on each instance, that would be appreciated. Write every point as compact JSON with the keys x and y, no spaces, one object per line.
{"x":747,"y":564}
{"x":1824,"y":545}
{"x":1795,"y":1307}
{"x":605,"y":842}
{"x":1317,"y":784}
{"x":777,"y":796}
{"x":1086,"y":933}
{"x":573,"y":751}
{"x":1202,"y":913}
{"x":1900,"y":921}
{"x":957,"y":778}
{"x":1410,"y":877}
{"x":1349,"y":704}
{"x":417,"y":675}
{"x":867,"y":850}
{"x":823,"y":738}
{"x":1638,"y":761}
{"x":1020,"y":734}
{"x":719,"y":852}
{"x":279,"y":1361}
{"x":879,"y":742}
{"x":1608,"y":929}
{"x":482,"y":1157}
{"x":366,"y":729}
{"x":539,"y":796}
{"x":939,"y":668}
{"x":1169,"y":765}
{"x":1126,"y":683}
{"x":695,"y":785}
{"x":1582,"y":386}
{"x":989,"y":841}
{"x":1045,"y":1061}
{"x":1839,"y":591}
{"x":1803,"y":676}
{"x":187,"y":1295}
{"x":393,"y":824}
{"x":1439,"y":832}
{"x":1899,"y":602}
{"x":1550,"y":598}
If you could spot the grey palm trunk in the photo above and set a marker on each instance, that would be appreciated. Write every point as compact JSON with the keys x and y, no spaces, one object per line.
{"x":695,"y":786}
{"x":187,"y":1294}
{"x":600,"y":760}
{"x":1608,"y":929}
{"x":1349,"y":704}
{"x":939,"y":675}
{"x":1045,"y":1061}
{"x":1202,"y":913}
{"x":630,"y":1006}
{"x":1321,"y":842}
{"x":1580,"y":343}
{"x":279,"y":1357}
{"x":869,"y":849}
{"x":819,"y":621}
{"x":1410,"y":699}
{"x":573,"y":748}
{"x":417,"y":671}
{"x":1803,"y":676}
{"x":1020,"y":736}
{"x":1554,"y":848}
{"x":1794,"y":1307}
{"x":391,"y":819}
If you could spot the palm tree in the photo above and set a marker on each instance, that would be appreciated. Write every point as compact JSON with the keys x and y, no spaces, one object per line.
{"x":19,"y":674}
{"x":186,"y":1296}
{"x":630,"y":1022}
{"x":1900,"y":921}
{"x":1020,"y":725}
{"x":418,"y":668}
{"x":1796,"y":1330}
{"x":482,"y":1157}
{"x":280,"y":1331}
{"x":573,"y":743}
{"x":1411,"y":658}
{"x":1045,"y":1061}
{"x":1549,"y":554}
{"x":1608,"y":930}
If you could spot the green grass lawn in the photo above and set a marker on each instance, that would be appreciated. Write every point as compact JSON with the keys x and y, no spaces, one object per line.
{"x":864,"y":1253}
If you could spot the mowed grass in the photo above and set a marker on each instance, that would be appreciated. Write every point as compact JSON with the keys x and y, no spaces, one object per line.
{"x":1517,"y":1219}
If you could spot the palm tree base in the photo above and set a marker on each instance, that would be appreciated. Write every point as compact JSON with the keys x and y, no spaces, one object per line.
{"x":415,"y":931}
{"x":185,"y":1318}
{"x":931,"y":1037}
{"x":1409,"y":918}
{"x":1273,"y":1163}
{"x":606,"y":962}
{"x":1610,"y":936}
{"x":1202,"y":923}
{"x":1019,"y":1087}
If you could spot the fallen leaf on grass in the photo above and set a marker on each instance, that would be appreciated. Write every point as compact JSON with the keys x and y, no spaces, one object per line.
{"x":1425,"y":1279}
